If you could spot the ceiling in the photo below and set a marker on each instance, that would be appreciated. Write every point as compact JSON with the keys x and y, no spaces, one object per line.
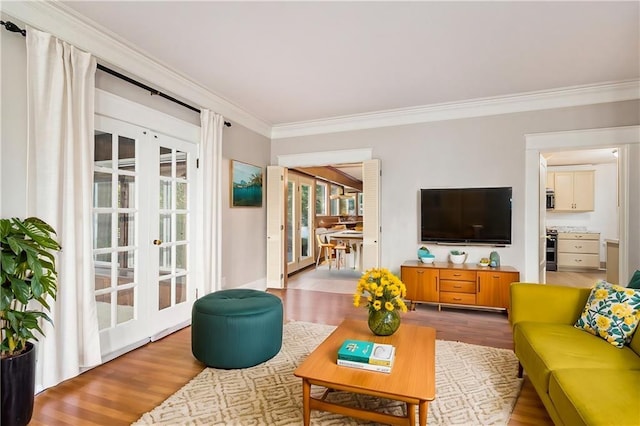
{"x":288,"y":62}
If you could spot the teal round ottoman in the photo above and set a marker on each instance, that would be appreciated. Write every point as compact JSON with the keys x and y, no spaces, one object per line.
{"x":236,"y":328}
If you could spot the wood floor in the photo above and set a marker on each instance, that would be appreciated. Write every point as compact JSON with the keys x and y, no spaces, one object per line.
{"x":120,"y":391}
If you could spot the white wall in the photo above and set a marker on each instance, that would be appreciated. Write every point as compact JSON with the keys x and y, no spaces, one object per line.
{"x":485,"y":151}
{"x":604,"y":218}
{"x":13,"y":146}
{"x":244,"y":230}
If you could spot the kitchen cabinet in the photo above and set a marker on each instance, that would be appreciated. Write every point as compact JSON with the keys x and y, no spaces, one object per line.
{"x":467,"y":284}
{"x":574,"y":190}
{"x":579,"y":250}
{"x":551,"y":180}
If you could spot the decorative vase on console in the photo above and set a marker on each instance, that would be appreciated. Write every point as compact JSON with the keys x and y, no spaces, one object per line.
{"x":423,"y":252}
{"x":384,"y":294}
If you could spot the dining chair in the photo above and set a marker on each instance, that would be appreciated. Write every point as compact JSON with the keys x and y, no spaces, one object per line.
{"x":329,"y":250}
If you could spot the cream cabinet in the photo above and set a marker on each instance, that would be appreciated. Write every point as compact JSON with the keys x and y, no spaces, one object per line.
{"x":551,"y":180}
{"x":574,"y":190}
{"x":578,"y":250}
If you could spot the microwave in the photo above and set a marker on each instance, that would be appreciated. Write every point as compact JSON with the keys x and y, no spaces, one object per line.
{"x":551,"y":199}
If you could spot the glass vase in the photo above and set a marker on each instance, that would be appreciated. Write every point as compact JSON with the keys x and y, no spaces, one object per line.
{"x":384,"y":323}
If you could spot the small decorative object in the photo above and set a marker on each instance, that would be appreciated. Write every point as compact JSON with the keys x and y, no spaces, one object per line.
{"x":457,"y":256}
{"x":494,"y":257}
{"x":484,"y":261}
{"x":423,"y":252}
{"x":384,"y":292}
{"x":246,"y":185}
{"x":427,"y":258}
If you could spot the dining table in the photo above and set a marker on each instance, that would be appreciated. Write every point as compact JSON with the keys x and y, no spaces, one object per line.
{"x":353,"y":239}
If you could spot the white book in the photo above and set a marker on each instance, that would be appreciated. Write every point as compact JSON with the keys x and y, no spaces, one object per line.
{"x":365,"y":366}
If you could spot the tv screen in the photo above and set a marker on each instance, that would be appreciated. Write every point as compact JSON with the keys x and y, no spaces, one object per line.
{"x":466,"y":215}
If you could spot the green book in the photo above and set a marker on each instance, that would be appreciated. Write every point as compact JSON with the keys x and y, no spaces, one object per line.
{"x":355,"y":350}
{"x":366,"y":352}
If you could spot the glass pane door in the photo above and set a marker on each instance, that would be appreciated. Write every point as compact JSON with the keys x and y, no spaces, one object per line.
{"x":115,"y":207}
{"x":143,"y":204}
{"x":173,"y":218}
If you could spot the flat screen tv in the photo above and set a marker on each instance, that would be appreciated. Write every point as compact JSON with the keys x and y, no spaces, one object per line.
{"x":466,"y":215}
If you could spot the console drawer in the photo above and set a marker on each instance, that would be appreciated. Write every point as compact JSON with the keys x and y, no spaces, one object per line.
{"x":457,"y":275}
{"x":458,"y":298}
{"x":457,"y":286}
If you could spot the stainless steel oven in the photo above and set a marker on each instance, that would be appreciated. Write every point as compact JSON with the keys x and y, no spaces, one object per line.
{"x":552,"y":250}
{"x":551,"y":199}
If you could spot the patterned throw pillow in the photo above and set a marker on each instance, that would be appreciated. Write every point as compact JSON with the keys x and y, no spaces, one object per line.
{"x":612,"y":312}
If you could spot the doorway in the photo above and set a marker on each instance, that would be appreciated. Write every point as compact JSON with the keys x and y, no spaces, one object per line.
{"x":276,"y":244}
{"x":144,"y":203}
{"x":625,"y":138}
{"x":581,"y":215}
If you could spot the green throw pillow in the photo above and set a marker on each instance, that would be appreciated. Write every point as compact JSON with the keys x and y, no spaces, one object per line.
{"x":612,"y":312}
{"x":635,"y":280}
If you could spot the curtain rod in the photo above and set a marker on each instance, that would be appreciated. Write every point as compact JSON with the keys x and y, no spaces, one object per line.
{"x":10,"y":26}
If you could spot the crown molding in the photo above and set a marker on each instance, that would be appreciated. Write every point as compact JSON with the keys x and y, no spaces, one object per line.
{"x":531,"y":101}
{"x":66,"y":24}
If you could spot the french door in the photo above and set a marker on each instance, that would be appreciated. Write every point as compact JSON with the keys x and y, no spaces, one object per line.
{"x":299,"y":221}
{"x":144,"y":204}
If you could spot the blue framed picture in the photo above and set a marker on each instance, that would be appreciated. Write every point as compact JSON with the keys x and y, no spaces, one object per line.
{"x":246,"y":185}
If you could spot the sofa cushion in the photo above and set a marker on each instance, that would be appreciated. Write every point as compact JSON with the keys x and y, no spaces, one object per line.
{"x":596,"y":396}
{"x":635,"y":280}
{"x":545,"y":347}
{"x":612,"y":312}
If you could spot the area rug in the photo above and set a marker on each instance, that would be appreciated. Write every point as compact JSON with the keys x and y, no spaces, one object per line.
{"x":475,"y":385}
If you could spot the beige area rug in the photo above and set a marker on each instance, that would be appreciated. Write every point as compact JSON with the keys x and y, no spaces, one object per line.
{"x":475,"y":385}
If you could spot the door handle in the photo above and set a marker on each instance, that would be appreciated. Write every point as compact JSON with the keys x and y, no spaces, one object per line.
{"x":157,"y":242}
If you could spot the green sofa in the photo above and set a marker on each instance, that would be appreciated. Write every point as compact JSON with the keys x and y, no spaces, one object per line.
{"x":580,"y":378}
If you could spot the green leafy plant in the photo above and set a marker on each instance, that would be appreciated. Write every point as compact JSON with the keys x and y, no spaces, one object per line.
{"x":28,"y":274}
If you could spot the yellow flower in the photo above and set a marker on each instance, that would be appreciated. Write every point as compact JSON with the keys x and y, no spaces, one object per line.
{"x":601,"y":293}
{"x":382,"y":289}
{"x":629,"y":320}
{"x":621,"y":310}
{"x":603,"y":322}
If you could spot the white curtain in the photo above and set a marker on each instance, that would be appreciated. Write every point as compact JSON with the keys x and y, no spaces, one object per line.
{"x":211,"y":197}
{"x":61,"y":86}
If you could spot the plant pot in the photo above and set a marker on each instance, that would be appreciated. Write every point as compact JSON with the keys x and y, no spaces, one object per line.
{"x":384,"y":323}
{"x":18,"y":387}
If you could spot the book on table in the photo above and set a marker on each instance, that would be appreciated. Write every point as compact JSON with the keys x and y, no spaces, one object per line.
{"x":367,"y":353}
{"x":365,"y":366}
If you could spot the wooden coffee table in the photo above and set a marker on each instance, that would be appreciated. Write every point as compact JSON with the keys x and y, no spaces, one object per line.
{"x":412,"y":379}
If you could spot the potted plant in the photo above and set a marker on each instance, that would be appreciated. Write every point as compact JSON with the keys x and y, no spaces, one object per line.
{"x":28,"y":277}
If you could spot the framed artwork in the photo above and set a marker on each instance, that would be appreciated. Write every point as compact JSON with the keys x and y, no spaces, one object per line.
{"x":246,"y":185}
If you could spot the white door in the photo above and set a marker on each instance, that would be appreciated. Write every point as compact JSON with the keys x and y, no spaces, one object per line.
{"x":172,"y":235}
{"x":542,"y":227}
{"x":300,"y":214}
{"x":143,"y":204}
{"x":275,"y":226}
{"x":371,"y":217}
